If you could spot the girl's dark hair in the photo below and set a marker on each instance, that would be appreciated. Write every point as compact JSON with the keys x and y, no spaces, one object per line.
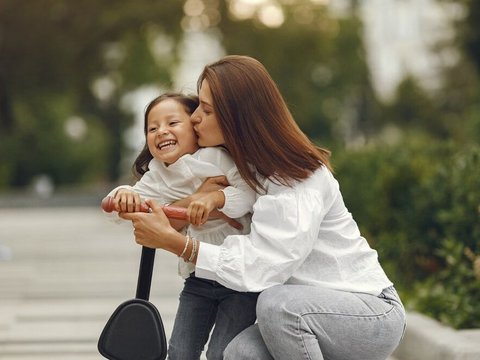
{"x":189,"y":102}
{"x":257,"y":126}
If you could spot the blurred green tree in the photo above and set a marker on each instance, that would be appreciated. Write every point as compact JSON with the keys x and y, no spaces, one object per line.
{"x":64,"y":67}
{"x":421,"y":207}
{"x":317,"y":58}
{"x":469,"y":32}
{"x":452,"y":110}
{"x":459,"y":98}
{"x":413,"y":109}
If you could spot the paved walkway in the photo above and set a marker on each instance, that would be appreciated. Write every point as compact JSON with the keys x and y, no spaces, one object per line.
{"x":71,"y":267}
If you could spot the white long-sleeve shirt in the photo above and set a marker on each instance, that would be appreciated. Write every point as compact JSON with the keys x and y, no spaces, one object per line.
{"x":301,"y":234}
{"x":167,"y":184}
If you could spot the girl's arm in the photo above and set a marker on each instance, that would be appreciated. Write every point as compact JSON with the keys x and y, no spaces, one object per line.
{"x":199,"y":210}
{"x":207,"y":192}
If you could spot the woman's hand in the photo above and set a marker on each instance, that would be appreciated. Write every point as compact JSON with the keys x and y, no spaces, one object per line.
{"x":126,"y":200}
{"x":153,"y":229}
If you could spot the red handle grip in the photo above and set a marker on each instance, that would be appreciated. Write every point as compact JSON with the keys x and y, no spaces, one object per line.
{"x":175,"y":212}
{"x":172,"y":212}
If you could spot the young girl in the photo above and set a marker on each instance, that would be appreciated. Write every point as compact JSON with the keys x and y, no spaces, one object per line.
{"x":170,"y":167}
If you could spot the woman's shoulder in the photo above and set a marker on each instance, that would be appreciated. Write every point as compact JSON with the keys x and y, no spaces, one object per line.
{"x":322,"y":174}
{"x":320,"y":180}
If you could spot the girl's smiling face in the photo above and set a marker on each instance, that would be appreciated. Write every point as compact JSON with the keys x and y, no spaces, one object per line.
{"x":170,"y":133}
{"x":205,"y":120}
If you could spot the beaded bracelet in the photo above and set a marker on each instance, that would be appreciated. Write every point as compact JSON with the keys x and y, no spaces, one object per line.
{"x":187,"y":240}
{"x":194,"y":250}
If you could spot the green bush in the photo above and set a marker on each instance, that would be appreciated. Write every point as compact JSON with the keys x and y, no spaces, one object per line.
{"x":412,"y":201}
{"x":383,"y":187}
{"x":451,"y":295}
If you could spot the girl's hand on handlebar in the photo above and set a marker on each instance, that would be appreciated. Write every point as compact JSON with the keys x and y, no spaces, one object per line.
{"x":126,"y":201}
{"x":206,"y":207}
{"x":199,"y":210}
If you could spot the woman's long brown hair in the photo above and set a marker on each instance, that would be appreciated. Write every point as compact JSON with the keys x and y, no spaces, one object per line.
{"x":257,"y":126}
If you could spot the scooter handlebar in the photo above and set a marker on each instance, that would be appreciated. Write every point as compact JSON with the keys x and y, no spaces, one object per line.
{"x":172,"y":212}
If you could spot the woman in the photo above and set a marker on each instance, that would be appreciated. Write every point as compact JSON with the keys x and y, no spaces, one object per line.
{"x":324,"y":294}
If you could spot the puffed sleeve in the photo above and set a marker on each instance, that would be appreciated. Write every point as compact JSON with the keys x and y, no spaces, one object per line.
{"x":284,"y":229}
{"x":239,"y":197}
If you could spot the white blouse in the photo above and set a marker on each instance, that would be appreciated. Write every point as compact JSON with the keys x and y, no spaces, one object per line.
{"x":302,"y":234}
{"x":167,"y":184}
